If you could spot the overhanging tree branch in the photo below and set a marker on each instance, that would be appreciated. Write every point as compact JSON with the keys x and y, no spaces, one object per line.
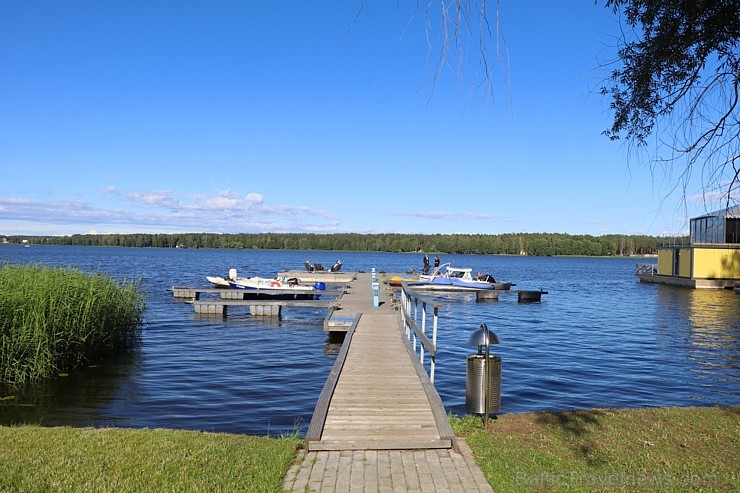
{"x":680,"y":65}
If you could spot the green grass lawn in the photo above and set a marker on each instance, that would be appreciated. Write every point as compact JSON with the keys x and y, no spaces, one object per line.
{"x":667,"y":449}
{"x":36,"y":459}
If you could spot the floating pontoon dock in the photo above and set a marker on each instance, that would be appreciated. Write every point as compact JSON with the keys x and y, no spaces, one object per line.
{"x":260,"y":302}
{"x":184,"y":292}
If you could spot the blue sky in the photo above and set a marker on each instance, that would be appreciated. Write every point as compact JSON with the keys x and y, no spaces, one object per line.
{"x":240,"y":116}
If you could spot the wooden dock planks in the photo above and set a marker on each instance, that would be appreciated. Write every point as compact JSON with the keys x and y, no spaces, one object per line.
{"x":377,"y":400}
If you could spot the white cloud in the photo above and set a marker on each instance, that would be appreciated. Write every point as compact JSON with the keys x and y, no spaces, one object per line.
{"x":473,"y":215}
{"x":165,"y":211}
{"x":454,"y":216}
{"x":159,"y":197}
{"x":254,"y":198}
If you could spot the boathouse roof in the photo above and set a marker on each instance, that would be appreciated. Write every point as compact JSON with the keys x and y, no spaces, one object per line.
{"x":730,"y":212}
{"x":722,"y":226}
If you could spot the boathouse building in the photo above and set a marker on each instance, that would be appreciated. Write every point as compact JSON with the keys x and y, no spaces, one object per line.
{"x":710,"y":260}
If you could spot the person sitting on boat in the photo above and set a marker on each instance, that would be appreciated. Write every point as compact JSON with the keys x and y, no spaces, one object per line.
{"x":485,"y":277}
{"x":336,"y":266}
{"x":309,"y":267}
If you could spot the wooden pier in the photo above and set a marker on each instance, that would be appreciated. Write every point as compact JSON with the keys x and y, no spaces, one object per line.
{"x":378,"y":396}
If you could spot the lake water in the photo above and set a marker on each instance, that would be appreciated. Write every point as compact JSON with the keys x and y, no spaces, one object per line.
{"x":598,"y":339}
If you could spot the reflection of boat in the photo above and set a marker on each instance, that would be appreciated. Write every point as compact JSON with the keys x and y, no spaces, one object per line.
{"x":456,"y":279}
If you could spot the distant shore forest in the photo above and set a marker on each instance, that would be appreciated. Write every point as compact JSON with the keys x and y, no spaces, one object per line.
{"x":536,"y":244}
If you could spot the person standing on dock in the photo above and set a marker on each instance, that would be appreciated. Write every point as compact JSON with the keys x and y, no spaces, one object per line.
{"x":436,"y":261}
{"x":426,"y":262}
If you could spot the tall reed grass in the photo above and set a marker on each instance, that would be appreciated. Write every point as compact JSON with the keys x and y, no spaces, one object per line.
{"x":53,"y":320}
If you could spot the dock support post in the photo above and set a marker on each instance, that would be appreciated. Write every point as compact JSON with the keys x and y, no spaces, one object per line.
{"x":185,"y":293}
{"x":265,"y":310}
{"x":232,"y":294}
{"x":530,"y":296}
{"x":487,"y":294}
{"x":210,"y":309}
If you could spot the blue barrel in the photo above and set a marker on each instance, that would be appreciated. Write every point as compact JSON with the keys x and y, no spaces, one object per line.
{"x":320,"y":286}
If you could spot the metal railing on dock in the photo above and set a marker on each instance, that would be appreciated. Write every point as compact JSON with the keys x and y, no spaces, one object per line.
{"x":646,"y":269}
{"x":412,"y":316}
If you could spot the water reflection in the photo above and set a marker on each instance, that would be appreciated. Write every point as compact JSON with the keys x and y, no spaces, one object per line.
{"x":713,"y":326}
{"x":83,"y":398}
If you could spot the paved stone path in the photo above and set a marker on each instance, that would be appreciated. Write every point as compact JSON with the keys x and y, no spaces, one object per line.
{"x":391,"y":471}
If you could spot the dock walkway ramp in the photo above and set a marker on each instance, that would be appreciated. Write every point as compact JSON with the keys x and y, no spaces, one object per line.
{"x":377,"y":396}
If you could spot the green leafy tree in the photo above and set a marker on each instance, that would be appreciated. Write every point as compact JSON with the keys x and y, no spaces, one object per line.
{"x":677,"y":88}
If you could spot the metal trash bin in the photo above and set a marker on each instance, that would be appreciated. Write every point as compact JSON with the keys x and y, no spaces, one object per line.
{"x":483,"y":379}
{"x":475,"y":384}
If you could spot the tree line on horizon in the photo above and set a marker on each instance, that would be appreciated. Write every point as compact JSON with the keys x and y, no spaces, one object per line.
{"x":535,"y":244}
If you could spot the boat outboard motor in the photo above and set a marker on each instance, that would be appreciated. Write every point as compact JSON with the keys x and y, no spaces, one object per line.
{"x":232,"y":274}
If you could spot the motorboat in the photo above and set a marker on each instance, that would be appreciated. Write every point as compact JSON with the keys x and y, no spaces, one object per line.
{"x":233,"y":281}
{"x":223,"y":282}
{"x":268,"y":288}
{"x":448,"y":278}
{"x":274,"y":288}
{"x":219,"y":282}
{"x":263,"y":283}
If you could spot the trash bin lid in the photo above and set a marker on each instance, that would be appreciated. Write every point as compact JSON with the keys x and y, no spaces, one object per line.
{"x":478,"y":338}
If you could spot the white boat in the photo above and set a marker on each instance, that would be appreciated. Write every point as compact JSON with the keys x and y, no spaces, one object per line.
{"x":456,"y":279}
{"x":263,"y":283}
{"x":268,"y":288}
{"x":274,"y":288}
{"x":223,"y":282}
{"x":219,"y":282}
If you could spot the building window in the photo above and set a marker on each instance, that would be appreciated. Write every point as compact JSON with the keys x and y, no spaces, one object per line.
{"x":732,"y":230}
